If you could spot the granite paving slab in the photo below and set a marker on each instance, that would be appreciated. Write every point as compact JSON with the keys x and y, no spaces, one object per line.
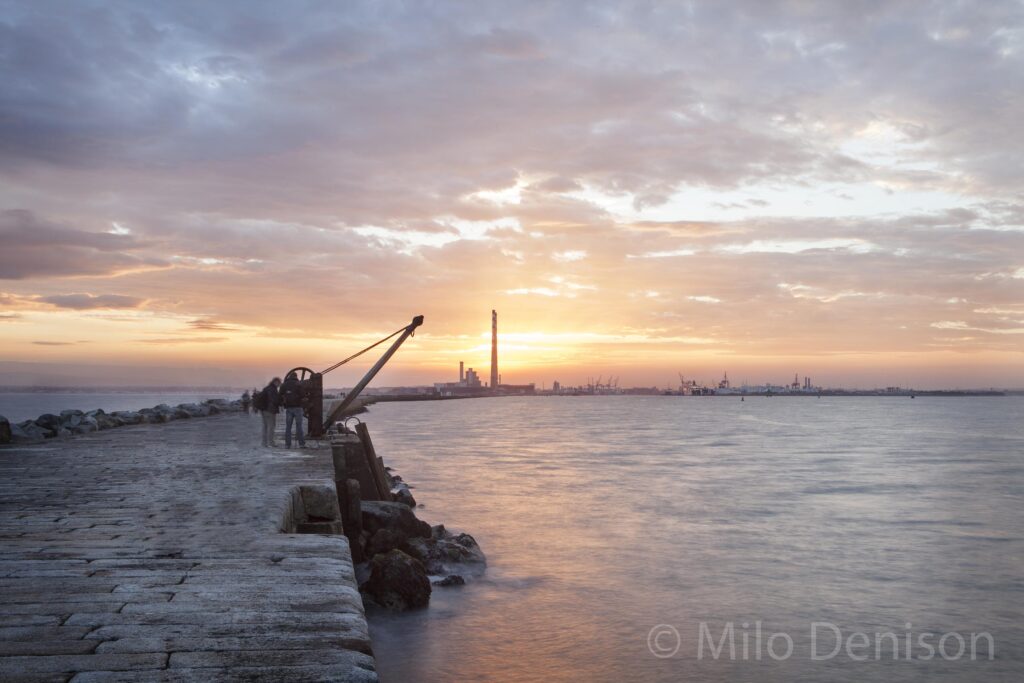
{"x":155,"y":553}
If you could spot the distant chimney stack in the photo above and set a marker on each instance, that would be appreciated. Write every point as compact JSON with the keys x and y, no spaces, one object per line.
{"x":494,"y":350}
{"x":462,"y":371}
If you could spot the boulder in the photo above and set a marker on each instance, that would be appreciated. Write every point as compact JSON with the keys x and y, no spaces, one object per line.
{"x":49,"y":421}
{"x":27,"y":432}
{"x":154,"y":416}
{"x":69,"y":419}
{"x":5,"y":430}
{"x":384,"y":541}
{"x":397,"y":581}
{"x":129,"y":417}
{"x":65,"y":414}
{"x":86,"y":425}
{"x":102,"y":419}
{"x":379,"y":514}
{"x":182,"y":413}
{"x":451,"y":580}
{"x":447,"y":553}
{"x":403,"y":495}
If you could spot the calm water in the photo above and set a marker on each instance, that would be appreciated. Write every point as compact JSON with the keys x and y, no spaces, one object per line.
{"x":17,"y":406}
{"x":603,"y":517}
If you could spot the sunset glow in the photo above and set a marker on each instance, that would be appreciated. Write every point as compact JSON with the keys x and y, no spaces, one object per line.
{"x":200,"y":194}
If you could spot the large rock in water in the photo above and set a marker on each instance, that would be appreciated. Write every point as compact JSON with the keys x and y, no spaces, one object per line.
{"x":395,"y":516}
{"x":447,"y":553}
{"x":5,"y":430}
{"x":398,"y":582}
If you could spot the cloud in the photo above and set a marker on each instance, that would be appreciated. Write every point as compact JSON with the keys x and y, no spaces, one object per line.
{"x":207,"y":325}
{"x":53,"y":343}
{"x":34,"y":247}
{"x":182,"y":340}
{"x":82,"y":302}
{"x":340,"y":166}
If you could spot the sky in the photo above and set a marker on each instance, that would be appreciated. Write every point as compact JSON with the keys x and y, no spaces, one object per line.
{"x":196,"y":191}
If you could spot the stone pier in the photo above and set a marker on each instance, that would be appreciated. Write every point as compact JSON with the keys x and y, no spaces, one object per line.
{"x":156,"y":553}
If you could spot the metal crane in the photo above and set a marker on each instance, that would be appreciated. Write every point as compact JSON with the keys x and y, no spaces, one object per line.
{"x":312,"y":383}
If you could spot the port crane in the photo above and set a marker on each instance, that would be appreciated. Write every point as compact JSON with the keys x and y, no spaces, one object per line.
{"x":311,"y":383}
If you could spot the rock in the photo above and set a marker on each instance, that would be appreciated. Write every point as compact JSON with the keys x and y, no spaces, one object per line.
{"x":129,"y":417}
{"x":85,"y":425}
{"x":451,"y":580}
{"x":444,"y":553}
{"x":398,"y":582}
{"x":27,"y":432}
{"x":104,"y":421}
{"x":384,"y":541}
{"x":403,"y":495}
{"x":71,"y":419}
{"x":153,"y":416}
{"x":390,"y":515}
{"x":5,"y":430}
{"x":49,"y":421}
{"x":65,"y":414}
{"x":181,"y":413}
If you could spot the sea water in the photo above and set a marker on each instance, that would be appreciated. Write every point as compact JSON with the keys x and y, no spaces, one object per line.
{"x":632,"y":538}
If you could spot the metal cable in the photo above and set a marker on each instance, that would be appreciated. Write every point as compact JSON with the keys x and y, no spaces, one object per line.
{"x":356,"y":355}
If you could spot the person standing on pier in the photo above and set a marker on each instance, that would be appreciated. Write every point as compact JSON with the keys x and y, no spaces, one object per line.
{"x":269,"y":401}
{"x":291,"y":399}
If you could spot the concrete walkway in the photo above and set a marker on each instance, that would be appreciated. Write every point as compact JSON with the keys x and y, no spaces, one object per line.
{"x":154,"y":553}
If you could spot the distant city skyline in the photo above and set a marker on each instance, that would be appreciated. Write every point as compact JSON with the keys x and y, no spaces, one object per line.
{"x":194,"y":190}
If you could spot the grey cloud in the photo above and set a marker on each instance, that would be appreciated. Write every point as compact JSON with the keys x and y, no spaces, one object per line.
{"x":206,"y":325}
{"x":82,"y":302}
{"x":164,"y":341}
{"x":261,"y":137}
{"x":35,"y":247}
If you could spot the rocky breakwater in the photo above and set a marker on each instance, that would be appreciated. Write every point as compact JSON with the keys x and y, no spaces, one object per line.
{"x":71,"y":422}
{"x":403,"y":557}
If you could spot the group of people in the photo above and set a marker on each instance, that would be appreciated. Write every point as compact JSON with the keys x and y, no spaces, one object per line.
{"x":269,"y":401}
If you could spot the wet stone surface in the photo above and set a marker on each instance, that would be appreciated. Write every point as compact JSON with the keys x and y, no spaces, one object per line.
{"x":154,"y":553}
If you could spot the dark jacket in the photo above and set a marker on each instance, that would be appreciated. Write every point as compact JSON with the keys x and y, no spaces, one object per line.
{"x":273,"y":399}
{"x":291,"y":393}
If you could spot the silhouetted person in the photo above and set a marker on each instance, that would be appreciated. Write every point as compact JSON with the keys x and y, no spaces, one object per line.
{"x":269,"y":402}
{"x":255,"y":408}
{"x":246,"y":401}
{"x":291,"y":399}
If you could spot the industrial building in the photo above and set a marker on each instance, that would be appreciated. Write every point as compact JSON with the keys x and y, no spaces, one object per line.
{"x":469,"y":381}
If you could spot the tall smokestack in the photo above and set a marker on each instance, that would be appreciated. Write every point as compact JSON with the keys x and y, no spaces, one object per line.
{"x":462,"y":371}
{"x":494,"y":350}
